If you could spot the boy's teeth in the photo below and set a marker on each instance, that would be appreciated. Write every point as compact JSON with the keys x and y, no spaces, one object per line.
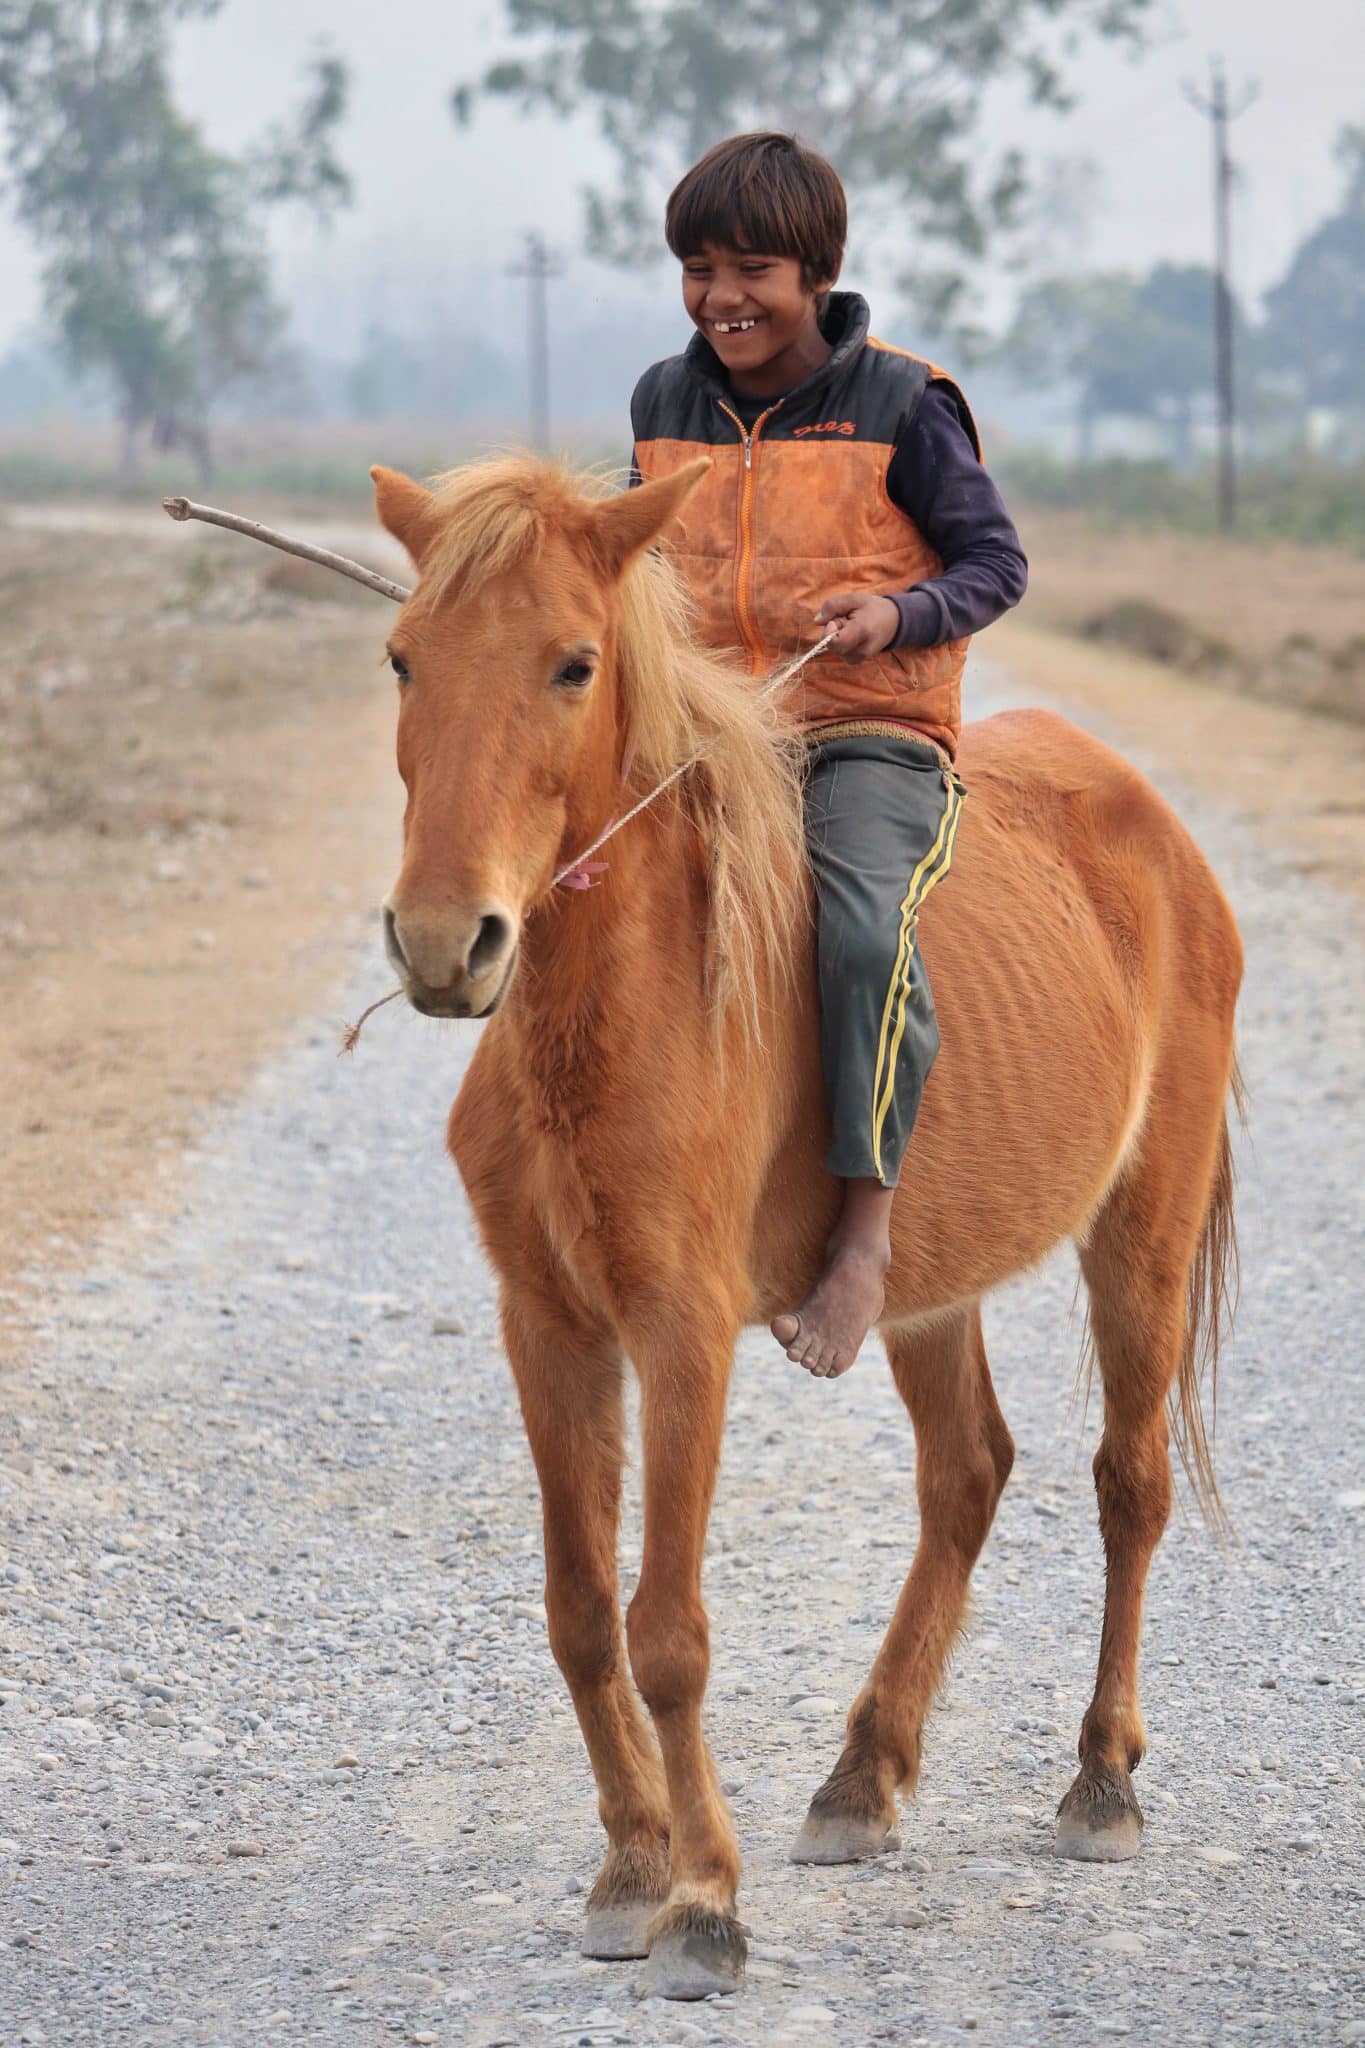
{"x":734,"y":326}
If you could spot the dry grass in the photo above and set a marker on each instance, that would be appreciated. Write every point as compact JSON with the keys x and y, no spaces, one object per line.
{"x":195,"y":789}
{"x":1272,"y":619}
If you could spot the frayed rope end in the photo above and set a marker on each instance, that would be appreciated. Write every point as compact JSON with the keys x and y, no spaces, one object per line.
{"x":350,"y":1037}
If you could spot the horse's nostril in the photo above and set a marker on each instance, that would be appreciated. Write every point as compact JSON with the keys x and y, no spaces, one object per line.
{"x":495,"y":935}
{"x":391,"y":943}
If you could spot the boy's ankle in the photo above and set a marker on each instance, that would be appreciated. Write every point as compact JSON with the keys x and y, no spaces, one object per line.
{"x":861,"y":1247}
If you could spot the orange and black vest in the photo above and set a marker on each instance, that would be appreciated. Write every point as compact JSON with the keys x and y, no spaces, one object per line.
{"x":795,"y":509}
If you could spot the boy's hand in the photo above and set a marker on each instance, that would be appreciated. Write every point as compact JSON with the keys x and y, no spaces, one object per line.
{"x":866,"y":623}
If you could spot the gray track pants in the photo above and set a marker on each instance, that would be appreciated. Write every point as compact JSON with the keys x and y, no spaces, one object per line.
{"x":881,"y":818}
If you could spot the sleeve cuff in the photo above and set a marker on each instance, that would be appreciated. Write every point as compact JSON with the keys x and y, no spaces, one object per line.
{"x":921,"y":618}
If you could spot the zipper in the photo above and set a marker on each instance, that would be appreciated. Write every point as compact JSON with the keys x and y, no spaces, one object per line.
{"x":744,"y":563}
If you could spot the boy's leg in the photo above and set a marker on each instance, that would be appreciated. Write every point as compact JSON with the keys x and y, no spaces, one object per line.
{"x":881,"y":818}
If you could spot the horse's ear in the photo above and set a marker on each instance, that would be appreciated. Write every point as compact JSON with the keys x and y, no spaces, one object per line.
{"x":406,"y":510}
{"x":632,"y":519}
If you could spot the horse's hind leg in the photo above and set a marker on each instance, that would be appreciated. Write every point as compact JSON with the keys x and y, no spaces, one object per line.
{"x":965,"y":1454}
{"x":1137,"y":1260}
{"x":569,"y":1376}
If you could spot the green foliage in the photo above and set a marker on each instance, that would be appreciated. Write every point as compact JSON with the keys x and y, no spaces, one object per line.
{"x":1318,"y":503}
{"x":891,"y":90}
{"x":154,"y":270}
{"x":1135,"y":345}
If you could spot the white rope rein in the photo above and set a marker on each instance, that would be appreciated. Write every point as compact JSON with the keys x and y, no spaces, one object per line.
{"x":775,"y":683}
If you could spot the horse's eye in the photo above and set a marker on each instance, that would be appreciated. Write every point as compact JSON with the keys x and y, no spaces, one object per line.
{"x":575,"y":675}
{"x":400,"y":668}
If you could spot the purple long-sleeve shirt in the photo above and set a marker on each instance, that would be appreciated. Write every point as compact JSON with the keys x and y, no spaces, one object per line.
{"x":937,"y":480}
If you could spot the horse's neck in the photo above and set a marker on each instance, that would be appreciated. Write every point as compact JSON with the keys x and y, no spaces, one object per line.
{"x":596,"y":959}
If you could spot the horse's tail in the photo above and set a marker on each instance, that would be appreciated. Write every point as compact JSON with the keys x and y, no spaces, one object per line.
{"x":1210,"y":1306}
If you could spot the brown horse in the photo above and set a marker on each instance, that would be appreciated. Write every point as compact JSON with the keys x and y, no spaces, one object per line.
{"x":642,"y":1127}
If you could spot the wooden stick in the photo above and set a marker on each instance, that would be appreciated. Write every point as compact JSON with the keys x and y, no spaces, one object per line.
{"x":185,"y":508}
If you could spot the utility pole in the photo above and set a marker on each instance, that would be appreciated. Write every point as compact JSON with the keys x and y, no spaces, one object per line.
{"x":1218,"y":112}
{"x":539,"y":266}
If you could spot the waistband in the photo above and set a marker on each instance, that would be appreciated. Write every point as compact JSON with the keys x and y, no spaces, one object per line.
{"x":877,"y":729}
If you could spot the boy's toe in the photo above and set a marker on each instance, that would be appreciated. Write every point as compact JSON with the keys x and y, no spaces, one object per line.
{"x":787,"y":1330}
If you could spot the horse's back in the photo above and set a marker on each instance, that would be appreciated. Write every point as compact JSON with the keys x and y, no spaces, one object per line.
{"x":1046,"y":786}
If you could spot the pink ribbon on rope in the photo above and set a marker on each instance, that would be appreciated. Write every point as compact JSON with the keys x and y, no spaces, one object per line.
{"x":587,"y":873}
{"x":584,"y":876}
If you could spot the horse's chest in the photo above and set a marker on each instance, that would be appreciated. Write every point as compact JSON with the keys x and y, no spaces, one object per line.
{"x":584,"y":1143}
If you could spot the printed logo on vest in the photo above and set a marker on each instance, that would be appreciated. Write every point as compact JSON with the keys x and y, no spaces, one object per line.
{"x":826,"y":427}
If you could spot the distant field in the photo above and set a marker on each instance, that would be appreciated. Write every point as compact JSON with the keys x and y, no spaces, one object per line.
{"x":1270,"y":618}
{"x":1306,"y":499}
{"x":310,"y":461}
{"x":196,"y":789}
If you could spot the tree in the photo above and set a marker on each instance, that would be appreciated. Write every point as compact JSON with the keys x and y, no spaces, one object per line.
{"x":155,"y":272}
{"x":891,"y":90}
{"x":1315,"y":315}
{"x":1134,"y":346}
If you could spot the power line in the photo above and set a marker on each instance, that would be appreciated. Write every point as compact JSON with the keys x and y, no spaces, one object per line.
{"x":539,"y":266}
{"x":1219,"y":112}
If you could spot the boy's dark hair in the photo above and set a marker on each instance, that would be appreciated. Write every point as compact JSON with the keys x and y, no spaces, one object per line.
{"x":765,"y":191}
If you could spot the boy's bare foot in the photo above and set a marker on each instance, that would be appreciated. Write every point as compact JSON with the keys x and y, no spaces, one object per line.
{"x":826,"y":1333}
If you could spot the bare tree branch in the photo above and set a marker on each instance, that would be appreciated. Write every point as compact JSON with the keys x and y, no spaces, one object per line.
{"x":185,"y":508}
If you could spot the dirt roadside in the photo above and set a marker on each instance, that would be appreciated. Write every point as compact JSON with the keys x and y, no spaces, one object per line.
{"x":198,"y":806}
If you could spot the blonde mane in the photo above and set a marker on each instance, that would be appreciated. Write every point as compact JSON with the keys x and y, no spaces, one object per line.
{"x":678,"y":700}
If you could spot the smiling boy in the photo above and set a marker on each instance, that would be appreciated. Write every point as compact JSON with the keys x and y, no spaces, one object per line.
{"x":846,"y":489}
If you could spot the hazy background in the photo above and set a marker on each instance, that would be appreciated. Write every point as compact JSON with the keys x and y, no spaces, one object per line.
{"x":439,"y":212}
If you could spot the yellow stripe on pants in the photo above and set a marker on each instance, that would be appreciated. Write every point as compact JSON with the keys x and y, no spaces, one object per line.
{"x":931,"y":869}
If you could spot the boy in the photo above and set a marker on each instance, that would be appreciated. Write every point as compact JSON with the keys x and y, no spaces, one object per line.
{"x":846,"y":487}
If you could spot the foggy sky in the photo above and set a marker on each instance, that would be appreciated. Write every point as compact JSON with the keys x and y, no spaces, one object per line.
{"x":439,"y":212}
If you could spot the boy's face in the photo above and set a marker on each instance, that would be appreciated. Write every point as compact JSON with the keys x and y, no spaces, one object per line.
{"x":752,"y":308}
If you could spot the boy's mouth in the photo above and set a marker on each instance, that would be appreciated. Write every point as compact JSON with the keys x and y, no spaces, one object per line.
{"x":733,"y":326}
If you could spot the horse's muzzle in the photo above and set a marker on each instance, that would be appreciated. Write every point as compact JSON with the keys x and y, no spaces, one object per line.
{"x":452,"y":964}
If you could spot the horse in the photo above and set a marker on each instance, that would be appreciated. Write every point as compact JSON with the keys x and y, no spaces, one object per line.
{"x":641,"y":1128}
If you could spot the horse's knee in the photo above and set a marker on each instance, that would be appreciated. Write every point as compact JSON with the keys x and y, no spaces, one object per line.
{"x":960,"y":1505}
{"x":584,"y":1629}
{"x":669,"y":1651}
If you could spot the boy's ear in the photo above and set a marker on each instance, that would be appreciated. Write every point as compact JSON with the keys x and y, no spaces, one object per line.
{"x":627,"y":523}
{"x":406,"y":510}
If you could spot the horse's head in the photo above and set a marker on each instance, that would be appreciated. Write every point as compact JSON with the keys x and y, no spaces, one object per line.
{"x":509,"y":733}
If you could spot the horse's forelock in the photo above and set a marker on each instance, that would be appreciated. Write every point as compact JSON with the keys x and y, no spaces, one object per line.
{"x":496,"y":515}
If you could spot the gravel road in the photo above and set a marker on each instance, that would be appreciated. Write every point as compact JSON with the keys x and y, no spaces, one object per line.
{"x":283,"y":1754}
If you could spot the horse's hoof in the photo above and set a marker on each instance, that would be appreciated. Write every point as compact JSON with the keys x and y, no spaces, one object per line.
{"x":827,"y":1837}
{"x":619,"y":1933}
{"x":1099,"y":1821}
{"x":699,"y":1957}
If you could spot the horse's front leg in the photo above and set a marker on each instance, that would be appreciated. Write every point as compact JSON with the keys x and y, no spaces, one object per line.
{"x":569,"y":1373}
{"x":684,"y":1358}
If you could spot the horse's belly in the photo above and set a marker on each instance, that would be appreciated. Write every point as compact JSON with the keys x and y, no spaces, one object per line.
{"x":1038,"y":1085}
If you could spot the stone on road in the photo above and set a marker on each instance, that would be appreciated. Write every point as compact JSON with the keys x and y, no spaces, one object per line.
{"x":283,"y":1753}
